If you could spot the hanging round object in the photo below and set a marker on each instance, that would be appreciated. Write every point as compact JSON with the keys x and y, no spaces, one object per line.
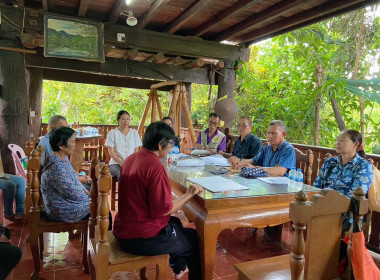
{"x":227,"y":108}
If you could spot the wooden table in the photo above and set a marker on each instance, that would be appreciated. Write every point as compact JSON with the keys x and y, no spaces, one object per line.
{"x":260,"y":206}
{"x":76,"y":158}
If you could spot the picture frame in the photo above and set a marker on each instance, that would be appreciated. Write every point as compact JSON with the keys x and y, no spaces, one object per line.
{"x":71,"y":38}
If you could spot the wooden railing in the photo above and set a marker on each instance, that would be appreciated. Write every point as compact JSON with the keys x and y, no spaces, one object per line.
{"x":319,"y":152}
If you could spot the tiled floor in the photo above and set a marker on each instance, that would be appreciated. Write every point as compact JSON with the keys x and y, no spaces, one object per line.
{"x":62,"y":257}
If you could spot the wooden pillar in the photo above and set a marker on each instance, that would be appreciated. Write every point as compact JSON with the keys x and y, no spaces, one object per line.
{"x":188,"y":90}
{"x":35,"y":90}
{"x":226,"y":83}
{"x":14,"y":107}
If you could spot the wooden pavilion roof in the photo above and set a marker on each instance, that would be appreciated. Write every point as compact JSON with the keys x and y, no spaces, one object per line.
{"x":238,"y":21}
{"x":176,"y":35}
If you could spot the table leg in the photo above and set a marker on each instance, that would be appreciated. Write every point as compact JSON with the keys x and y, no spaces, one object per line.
{"x":208,"y":236}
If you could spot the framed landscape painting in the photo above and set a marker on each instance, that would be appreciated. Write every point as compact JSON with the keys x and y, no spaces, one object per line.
{"x":71,"y":38}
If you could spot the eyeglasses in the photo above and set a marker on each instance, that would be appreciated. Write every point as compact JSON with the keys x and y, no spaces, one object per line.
{"x":213,"y":123}
{"x":242,"y":125}
{"x":171,"y":142}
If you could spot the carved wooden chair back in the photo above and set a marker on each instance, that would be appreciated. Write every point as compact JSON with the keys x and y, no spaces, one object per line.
{"x":104,"y":255}
{"x":37,"y":222}
{"x":304,"y":161}
{"x":318,"y":257}
{"x":114,"y":180}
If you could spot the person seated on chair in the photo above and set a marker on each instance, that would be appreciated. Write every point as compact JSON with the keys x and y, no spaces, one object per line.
{"x":169,"y":122}
{"x":10,"y":255}
{"x":121,"y":142}
{"x":247,"y":146}
{"x":278,"y":157}
{"x":144,"y":225}
{"x":64,"y":196}
{"x":58,"y":121}
{"x":349,"y":169}
{"x":14,"y":190}
{"x":212,"y":139}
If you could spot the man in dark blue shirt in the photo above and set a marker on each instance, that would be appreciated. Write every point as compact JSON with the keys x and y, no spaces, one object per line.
{"x":278,"y":156}
{"x":247,"y":145}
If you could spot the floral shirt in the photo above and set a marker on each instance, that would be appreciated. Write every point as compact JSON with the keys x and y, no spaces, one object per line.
{"x":345,"y":178}
{"x":63,"y":195}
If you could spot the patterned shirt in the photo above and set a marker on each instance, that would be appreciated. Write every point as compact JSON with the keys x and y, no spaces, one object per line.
{"x":345,"y":178}
{"x":63,"y":195}
{"x":248,"y":148}
{"x":284,"y":156}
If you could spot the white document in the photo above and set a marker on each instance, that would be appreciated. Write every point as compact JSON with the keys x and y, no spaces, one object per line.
{"x":190,"y":162}
{"x":217,"y":160}
{"x":274,"y":180}
{"x":217,"y":184}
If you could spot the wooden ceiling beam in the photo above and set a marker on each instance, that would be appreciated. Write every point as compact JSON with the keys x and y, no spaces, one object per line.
{"x":118,"y":7}
{"x":157,"y":6}
{"x":155,"y":42}
{"x":187,"y":15}
{"x":260,"y":18}
{"x":325,"y":10}
{"x":224,"y":15}
{"x":45,"y":6}
{"x":102,"y":80}
{"x":83,"y":6}
{"x":123,"y":68}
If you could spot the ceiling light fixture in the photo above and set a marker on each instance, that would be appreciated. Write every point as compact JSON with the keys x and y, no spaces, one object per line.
{"x":131,"y":20}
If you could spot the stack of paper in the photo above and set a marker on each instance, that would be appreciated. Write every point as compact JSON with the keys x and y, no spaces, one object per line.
{"x":216,"y":160}
{"x":274,"y":180}
{"x":217,"y":184}
{"x":190,"y":162}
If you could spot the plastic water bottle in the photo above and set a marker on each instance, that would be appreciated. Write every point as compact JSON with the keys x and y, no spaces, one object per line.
{"x":170,"y":158}
{"x":299,"y":179}
{"x":291,"y":178}
{"x":175,"y":152}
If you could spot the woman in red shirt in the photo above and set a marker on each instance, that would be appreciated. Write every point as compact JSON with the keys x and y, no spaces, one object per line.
{"x":144,"y":225}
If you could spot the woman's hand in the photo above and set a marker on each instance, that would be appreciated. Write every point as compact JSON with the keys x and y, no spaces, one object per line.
{"x":194,"y":189}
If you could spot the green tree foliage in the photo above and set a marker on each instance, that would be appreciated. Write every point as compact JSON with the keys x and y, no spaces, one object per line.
{"x":279,"y":80}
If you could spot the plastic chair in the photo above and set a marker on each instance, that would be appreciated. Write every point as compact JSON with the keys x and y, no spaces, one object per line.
{"x":17,"y":154}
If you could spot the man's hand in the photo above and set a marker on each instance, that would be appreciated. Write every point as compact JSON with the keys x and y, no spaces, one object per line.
{"x":212,"y":151}
{"x":194,"y":189}
{"x":241,"y":164}
{"x":84,"y":179}
{"x":233,"y":160}
{"x":199,"y":146}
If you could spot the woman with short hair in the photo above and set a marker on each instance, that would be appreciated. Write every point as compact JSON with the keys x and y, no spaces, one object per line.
{"x":121,"y":142}
{"x":349,"y":169}
{"x":64,"y":196}
{"x":144,"y":225}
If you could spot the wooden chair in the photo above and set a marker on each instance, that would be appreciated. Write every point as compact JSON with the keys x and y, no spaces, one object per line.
{"x":114,"y":180}
{"x":318,"y":258}
{"x":304,"y":161}
{"x":105,"y":256}
{"x":37,"y":222}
